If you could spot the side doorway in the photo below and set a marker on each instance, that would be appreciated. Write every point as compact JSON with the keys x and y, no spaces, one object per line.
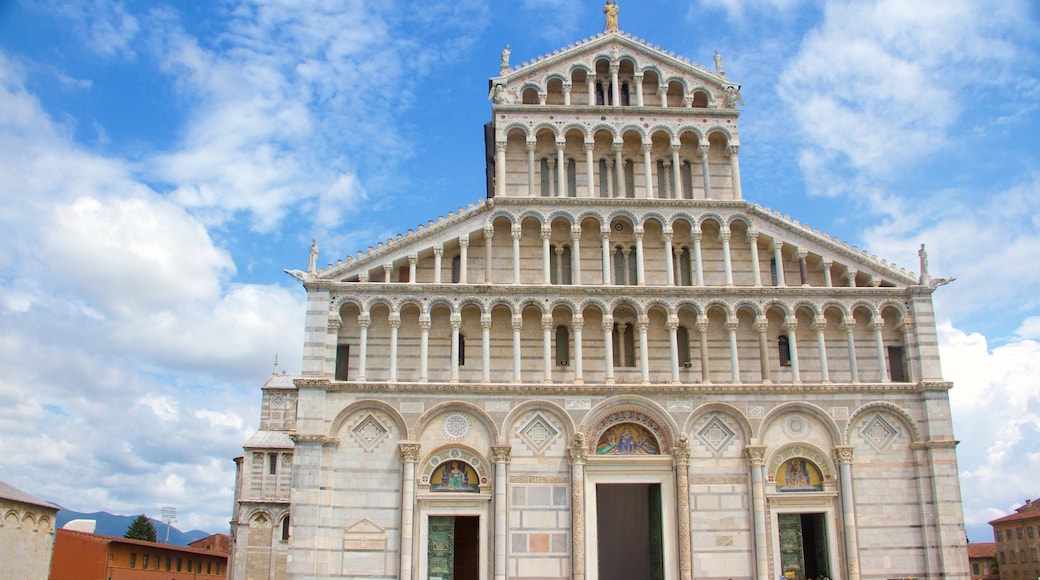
{"x":454,"y":548}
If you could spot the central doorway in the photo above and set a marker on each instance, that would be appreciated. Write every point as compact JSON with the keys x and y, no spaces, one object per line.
{"x":629,"y":535}
{"x":803,"y":545}
{"x":454,"y":548}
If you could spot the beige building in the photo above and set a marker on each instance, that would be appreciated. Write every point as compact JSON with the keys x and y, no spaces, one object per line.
{"x":1018,"y":541}
{"x":614,"y":367}
{"x":26,"y":534}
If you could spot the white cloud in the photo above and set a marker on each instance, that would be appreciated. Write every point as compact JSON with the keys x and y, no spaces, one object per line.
{"x":104,"y":25}
{"x":879,"y":84}
{"x":996,"y":410}
{"x":1030,"y":328}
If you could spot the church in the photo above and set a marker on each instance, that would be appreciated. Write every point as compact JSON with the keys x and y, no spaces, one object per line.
{"x":614,"y":367}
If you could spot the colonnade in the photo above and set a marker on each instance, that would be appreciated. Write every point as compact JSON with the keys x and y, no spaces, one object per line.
{"x":615,"y":175}
{"x":679,"y":350}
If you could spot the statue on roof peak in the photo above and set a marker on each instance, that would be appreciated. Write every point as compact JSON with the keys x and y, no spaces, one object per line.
{"x":611,"y":11}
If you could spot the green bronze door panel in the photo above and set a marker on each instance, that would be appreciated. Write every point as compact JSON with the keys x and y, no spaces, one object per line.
{"x":441,"y":555}
{"x":792,"y":563}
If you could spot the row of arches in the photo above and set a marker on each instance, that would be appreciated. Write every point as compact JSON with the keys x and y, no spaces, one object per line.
{"x":621,"y":249}
{"x":579,"y":160}
{"x":618,"y":82}
{"x":622,"y":341}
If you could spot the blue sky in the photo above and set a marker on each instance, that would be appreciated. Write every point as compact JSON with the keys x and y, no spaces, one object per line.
{"x":161,"y":163}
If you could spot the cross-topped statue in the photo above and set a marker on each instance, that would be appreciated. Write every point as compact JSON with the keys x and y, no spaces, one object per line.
{"x":611,"y":10}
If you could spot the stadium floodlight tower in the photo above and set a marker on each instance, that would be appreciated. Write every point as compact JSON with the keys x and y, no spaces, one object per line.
{"x":169,"y":515}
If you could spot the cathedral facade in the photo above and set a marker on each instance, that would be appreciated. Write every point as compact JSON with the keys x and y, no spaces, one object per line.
{"x":614,"y":367}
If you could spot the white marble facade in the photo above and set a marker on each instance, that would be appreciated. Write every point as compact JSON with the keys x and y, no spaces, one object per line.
{"x":489,"y":364}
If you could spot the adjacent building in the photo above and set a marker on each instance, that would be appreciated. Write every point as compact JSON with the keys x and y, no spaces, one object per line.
{"x":1018,"y":542}
{"x":982,"y":559}
{"x":26,"y":533}
{"x":615,"y":366}
{"x":83,"y":555}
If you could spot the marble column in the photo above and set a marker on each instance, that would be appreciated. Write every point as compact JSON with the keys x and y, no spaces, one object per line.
{"x":734,"y":360}
{"x":702,"y":331}
{"x":850,"y":339}
{"x":761,"y":325}
{"x":619,"y":169}
{"x":734,"y":170}
{"x":611,"y":192}
{"x":559,"y":264}
{"x":516,"y":233}
{"x":604,"y":235}
{"x":567,"y":86}
{"x":673,"y":347}
{"x":395,"y":324}
{"x":615,"y":85}
{"x":518,"y":325}
{"x":463,"y":258}
{"x":485,"y":347}
{"x":456,"y":324}
{"x":590,"y":86}
{"x":577,"y":323}
{"x":644,"y":355}
{"x":363,"y":321}
{"x":662,"y":95}
{"x":489,"y":252}
{"x":850,"y":277}
{"x":546,"y":255}
{"x":561,"y":170}
{"x":827,"y":272}
{"x":755,"y":455}
{"x":578,"y":457}
{"x":547,"y":354}
{"x":576,"y":255}
{"x":727,"y":264}
{"x":792,"y":344}
{"x":819,"y":326}
{"x":424,"y":346}
{"x":438,"y":256}
{"x":608,"y":349}
{"x":500,"y":168}
{"x":413,"y":259}
{"x":681,"y":465}
{"x":843,"y":455}
{"x":501,"y":455}
{"x":913,"y":352}
{"x":666,"y":170}
{"x":778,"y":258}
{"x":638,"y":79}
{"x":388,"y":273}
{"x":756,"y":270}
{"x":648,"y":171}
{"x":409,"y":452}
{"x":590,"y":173}
{"x":640,"y":262}
{"x":677,"y":184}
{"x":803,"y":266}
{"x":531,"y":145}
{"x":707,"y":176}
{"x":697,"y":262}
{"x":669,"y":267}
{"x":879,"y":343}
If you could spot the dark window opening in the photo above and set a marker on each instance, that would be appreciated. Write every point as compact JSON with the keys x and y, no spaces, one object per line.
{"x":456,"y":269}
{"x":897,"y":368}
{"x":682,"y":339}
{"x":272,"y":463}
{"x":285,"y":529}
{"x":342,"y":362}
{"x":785,"y":351}
{"x":462,"y":350}
{"x":563,"y":346}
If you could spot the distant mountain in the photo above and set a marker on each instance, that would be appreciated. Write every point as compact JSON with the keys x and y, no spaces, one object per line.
{"x":113,"y":525}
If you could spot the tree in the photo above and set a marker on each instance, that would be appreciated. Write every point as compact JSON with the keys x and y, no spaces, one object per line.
{"x":141,"y":529}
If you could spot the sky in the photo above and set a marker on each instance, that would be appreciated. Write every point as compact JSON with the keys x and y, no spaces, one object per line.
{"x":161,"y":163}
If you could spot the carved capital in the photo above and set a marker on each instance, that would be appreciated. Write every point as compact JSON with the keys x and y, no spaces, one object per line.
{"x":577,"y":451}
{"x":501,"y":453}
{"x":843,"y":454}
{"x":409,"y":451}
{"x":755,"y":455}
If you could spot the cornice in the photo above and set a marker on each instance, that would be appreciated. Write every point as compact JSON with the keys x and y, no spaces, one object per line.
{"x":588,"y":389}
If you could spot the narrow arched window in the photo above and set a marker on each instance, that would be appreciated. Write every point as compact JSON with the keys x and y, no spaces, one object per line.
{"x":624,"y":95}
{"x":462,"y":350}
{"x":563,"y":346}
{"x":546,"y":179}
{"x":682,"y":341}
{"x":773,"y":272}
{"x":599,"y":94}
{"x":685,"y":276}
{"x":285,"y":529}
{"x":456,"y":269}
{"x":785,"y":350}
{"x":572,"y":178}
{"x":630,"y":179}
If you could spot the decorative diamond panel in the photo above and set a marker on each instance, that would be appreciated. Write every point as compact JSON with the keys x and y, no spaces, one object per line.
{"x":716,"y":434}
{"x":369,"y":432}
{"x":879,"y":432}
{"x":538,"y":433}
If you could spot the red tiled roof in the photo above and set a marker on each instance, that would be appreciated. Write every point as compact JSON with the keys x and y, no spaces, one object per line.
{"x":982,"y":550}
{"x":117,"y":540}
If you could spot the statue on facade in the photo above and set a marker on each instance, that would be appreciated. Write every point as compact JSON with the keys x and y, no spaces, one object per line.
{"x":611,"y":11}
{"x":500,"y":95}
{"x":923,"y":255}
{"x":733,"y":96}
{"x":718,"y":65}
{"x":312,"y":265}
{"x":505,"y":57}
